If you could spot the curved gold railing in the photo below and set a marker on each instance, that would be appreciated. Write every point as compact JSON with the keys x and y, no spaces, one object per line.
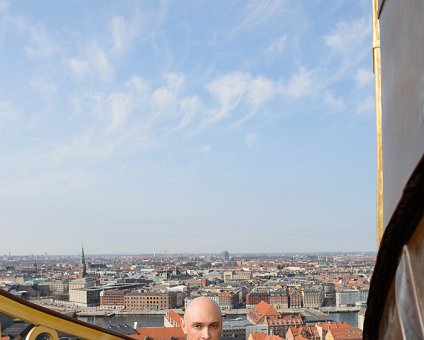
{"x":46,"y":321}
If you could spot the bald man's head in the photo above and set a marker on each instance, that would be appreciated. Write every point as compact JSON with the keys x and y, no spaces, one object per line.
{"x":202,"y":320}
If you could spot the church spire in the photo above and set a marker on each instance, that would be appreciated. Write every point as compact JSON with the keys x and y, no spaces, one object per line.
{"x":82,"y":266}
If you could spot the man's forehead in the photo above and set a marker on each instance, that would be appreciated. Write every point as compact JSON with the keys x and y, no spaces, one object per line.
{"x":205,"y":318}
{"x":204,"y":322}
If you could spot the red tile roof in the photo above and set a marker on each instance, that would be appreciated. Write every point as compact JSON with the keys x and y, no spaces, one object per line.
{"x":286,"y":320}
{"x":342,"y":331}
{"x":260,"y":311}
{"x":311,"y":331}
{"x":263,"y":336}
{"x":174,"y":317}
{"x":159,"y":333}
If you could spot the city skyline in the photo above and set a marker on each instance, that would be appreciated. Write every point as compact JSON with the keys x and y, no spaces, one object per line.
{"x":214,"y":254}
{"x":149,"y":126}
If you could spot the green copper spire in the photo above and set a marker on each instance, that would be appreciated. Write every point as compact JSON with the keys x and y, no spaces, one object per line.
{"x":82,"y":257}
{"x":82,"y":266}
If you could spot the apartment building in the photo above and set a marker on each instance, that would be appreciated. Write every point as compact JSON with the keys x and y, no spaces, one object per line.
{"x":150,"y":300}
{"x":112,"y":299}
{"x":227,"y":299}
{"x":312,"y":298}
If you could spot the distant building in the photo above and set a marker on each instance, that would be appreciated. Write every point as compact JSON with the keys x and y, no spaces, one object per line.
{"x":263,"y":336}
{"x":235,"y":328}
{"x":329,"y":291}
{"x":85,"y":297}
{"x":225,"y":256}
{"x":279,"y":299}
{"x":313,"y":316}
{"x":275,"y":323}
{"x":259,"y":313}
{"x":227,"y":299}
{"x":82,"y":282}
{"x":280,"y":325}
{"x":349,"y":297}
{"x":172,"y":319}
{"x":254,"y":298}
{"x":151,"y":300}
{"x":303,"y":332}
{"x":239,"y":275}
{"x":312,"y":298}
{"x":57,"y":287}
{"x":361,"y":319}
{"x":338,"y":331}
{"x":295,"y":298}
{"x":143,"y":333}
{"x":112,"y":299}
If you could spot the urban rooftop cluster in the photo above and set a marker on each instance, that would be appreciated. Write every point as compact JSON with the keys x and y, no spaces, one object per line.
{"x":294,"y":291}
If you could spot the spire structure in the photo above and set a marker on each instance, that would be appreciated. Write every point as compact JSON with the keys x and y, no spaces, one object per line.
{"x":82,"y":265}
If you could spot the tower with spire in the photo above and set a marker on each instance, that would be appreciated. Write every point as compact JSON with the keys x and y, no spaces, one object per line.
{"x":82,"y":265}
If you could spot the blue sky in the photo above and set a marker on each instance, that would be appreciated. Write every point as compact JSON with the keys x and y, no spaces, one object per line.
{"x":186,"y":126}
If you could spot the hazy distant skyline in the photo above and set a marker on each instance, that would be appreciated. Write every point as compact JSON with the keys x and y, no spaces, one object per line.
{"x":186,"y":126}
{"x":193,"y":255}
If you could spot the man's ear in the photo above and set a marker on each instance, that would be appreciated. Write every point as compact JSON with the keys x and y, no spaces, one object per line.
{"x":183,"y":326}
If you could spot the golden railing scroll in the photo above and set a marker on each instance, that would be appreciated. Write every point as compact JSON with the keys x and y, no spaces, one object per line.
{"x":51,"y":323}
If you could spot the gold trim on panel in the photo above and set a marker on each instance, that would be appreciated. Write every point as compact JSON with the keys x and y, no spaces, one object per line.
{"x":376,"y":56}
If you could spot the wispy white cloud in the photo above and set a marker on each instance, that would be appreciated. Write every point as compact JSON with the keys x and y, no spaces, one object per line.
{"x":277,"y":46}
{"x":94,"y":62}
{"x":89,"y":105}
{"x":175,"y":81}
{"x":100,"y":61}
{"x":348,"y":35}
{"x":120,"y":106}
{"x":349,"y":44}
{"x":189,"y":107}
{"x":164,"y":101}
{"x":260,"y":90}
{"x":237,"y":88}
{"x":257,"y":13}
{"x":41,"y":45}
{"x":124,"y":31}
{"x":300,"y":84}
{"x":139,"y":89}
{"x":228,"y":90}
{"x":366,"y":106}
{"x":40,"y":42}
{"x":78,"y":66}
{"x":332,"y":101}
{"x":85,"y":145}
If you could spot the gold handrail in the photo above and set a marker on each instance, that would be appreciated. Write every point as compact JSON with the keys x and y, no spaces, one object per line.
{"x":51,"y":322}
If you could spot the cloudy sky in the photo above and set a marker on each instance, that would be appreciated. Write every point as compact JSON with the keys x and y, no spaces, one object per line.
{"x":186,"y":126}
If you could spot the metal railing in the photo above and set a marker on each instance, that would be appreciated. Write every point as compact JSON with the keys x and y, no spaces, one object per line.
{"x":51,"y":323}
